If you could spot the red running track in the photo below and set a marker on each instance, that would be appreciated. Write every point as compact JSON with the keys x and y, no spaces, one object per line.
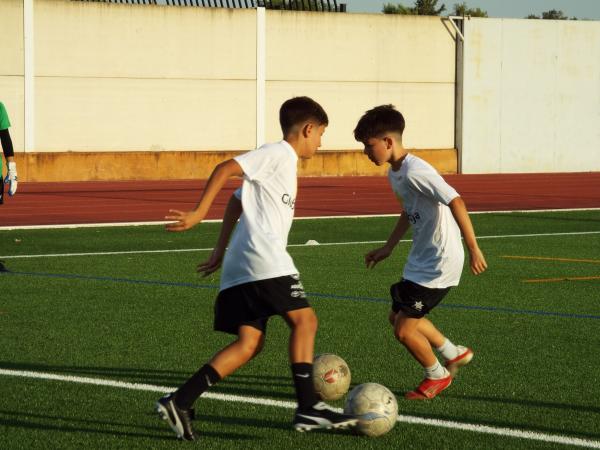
{"x":141,"y":201}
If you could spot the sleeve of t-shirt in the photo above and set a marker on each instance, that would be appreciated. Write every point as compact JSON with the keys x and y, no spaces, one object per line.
{"x":259,"y":164}
{"x":431,"y":184}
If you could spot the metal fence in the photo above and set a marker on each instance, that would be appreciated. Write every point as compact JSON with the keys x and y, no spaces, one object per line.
{"x":288,"y":5}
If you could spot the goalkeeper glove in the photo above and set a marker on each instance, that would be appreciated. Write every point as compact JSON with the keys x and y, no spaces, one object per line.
{"x":11,"y":178}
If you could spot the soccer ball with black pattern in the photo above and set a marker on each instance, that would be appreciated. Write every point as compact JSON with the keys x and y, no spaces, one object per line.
{"x":374,"y":406}
{"x":331,"y":376}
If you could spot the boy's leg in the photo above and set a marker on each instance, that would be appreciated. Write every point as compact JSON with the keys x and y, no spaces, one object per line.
{"x":408,"y":331}
{"x":311,"y":413}
{"x":176,"y":409}
{"x":455,"y":356}
{"x":303,"y":324}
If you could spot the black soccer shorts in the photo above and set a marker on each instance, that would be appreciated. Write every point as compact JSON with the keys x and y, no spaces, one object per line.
{"x":254,"y":302}
{"x":414,"y":300}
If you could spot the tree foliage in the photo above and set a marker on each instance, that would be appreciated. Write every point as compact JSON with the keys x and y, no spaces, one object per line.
{"x":553,"y":14}
{"x":461,"y":9}
{"x":419,"y":8}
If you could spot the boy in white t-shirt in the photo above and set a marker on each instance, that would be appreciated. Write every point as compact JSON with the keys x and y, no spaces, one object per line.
{"x":438,"y":216}
{"x":259,"y":278}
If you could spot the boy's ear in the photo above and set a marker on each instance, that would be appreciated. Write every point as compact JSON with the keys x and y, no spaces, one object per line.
{"x":388,"y":141}
{"x":306,"y":129}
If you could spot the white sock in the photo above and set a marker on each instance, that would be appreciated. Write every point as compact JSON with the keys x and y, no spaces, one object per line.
{"x":448,"y":350}
{"x":436,"y":371}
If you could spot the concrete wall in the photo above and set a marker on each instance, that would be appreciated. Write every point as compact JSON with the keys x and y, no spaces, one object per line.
{"x":352,"y":62}
{"x":12,"y":67}
{"x":531,"y":96}
{"x":112,"y":77}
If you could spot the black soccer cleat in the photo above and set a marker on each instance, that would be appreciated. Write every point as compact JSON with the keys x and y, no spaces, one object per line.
{"x":180,"y":420}
{"x":322,"y":416}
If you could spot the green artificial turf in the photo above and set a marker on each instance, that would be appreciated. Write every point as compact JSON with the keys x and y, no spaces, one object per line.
{"x":147,"y":318}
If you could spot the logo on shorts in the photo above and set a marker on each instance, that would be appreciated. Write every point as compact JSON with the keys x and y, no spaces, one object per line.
{"x":298,"y":294}
{"x":418,"y":305}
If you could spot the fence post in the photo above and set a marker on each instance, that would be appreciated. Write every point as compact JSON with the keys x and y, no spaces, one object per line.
{"x":29,"y":75}
{"x":261,"y":61}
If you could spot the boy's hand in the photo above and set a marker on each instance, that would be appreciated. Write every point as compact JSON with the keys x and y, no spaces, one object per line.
{"x":478,"y":264}
{"x":211,"y":265}
{"x":374,"y":256}
{"x":183,"y":220}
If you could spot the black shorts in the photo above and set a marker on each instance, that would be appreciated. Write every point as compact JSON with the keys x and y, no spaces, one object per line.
{"x":414,"y":300}
{"x":254,"y":302}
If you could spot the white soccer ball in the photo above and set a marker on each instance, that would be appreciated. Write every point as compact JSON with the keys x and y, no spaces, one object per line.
{"x":331,"y":376}
{"x":374,"y":406}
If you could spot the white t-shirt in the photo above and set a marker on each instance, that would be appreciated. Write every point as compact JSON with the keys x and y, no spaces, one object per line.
{"x":257,"y":250}
{"x":436,"y":257}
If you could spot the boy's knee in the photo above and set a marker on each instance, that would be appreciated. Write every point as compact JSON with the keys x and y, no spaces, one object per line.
{"x":402,"y":334}
{"x":305,"y":319}
{"x":251,"y":347}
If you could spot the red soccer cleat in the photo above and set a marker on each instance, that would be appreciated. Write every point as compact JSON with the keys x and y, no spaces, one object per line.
{"x":429,"y":388}
{"x":460,"y":361}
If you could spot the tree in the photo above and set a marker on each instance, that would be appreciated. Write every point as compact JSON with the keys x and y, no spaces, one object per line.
{"x":461,"y":9}
{"x":390,"y":8}
{"x":553,"y":14}
{"x":420,"y":8}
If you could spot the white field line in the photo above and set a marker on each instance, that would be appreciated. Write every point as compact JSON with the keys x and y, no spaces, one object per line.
{"x":163,"y":222}
{"x":181,"y":250}
{"x":504,"y":432}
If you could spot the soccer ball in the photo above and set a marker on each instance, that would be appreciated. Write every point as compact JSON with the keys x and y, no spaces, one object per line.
{"x":374,"y":406}
{"x":331,"y":376}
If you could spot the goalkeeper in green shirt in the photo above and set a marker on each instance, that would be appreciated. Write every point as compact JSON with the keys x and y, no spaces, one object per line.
{"x":9,"y":154}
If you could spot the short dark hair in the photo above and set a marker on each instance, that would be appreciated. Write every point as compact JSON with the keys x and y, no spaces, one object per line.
{"x":378,"y":121}
{"x":298,"y":110}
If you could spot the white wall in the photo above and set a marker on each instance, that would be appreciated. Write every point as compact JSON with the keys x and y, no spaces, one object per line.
{"x":11,"y":67}
{"x":117,"y":77}
{"x":531,"y":96}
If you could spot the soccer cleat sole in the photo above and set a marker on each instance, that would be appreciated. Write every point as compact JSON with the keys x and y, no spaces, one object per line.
{"x":454,"y":366}
{"x":335,"y":426}
{"x":164,"y":415}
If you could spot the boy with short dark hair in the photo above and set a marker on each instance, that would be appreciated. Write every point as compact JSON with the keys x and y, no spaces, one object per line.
{"x":259,"y":278}
{"x":438,"y":216}
{"x":9,"y":154}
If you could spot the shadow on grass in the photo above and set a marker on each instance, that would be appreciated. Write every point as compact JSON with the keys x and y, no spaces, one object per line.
{"x":236,"y":384}
{"x":44,"y":422}
{"x":505,"y":424}
{"x":528,"y":403}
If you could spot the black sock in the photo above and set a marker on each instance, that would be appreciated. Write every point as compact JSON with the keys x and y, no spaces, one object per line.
{"x":195,"y":386}
{"x":303,"y":382}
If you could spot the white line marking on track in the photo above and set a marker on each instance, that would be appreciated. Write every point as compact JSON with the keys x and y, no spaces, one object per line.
{"x":476,"y":428}
{"x":322,"y":244}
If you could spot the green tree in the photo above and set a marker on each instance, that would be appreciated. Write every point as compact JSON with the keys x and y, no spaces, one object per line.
{"x":420,"y":8}
{"x":553,"y":14}
{"x":461,"y":9}
{"x":390,"y":8}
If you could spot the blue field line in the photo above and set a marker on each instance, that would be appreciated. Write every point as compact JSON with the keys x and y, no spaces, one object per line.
{"x":492,"y":309}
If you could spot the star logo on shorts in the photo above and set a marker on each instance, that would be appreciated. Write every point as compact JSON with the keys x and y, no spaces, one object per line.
{"x":418,"y":306}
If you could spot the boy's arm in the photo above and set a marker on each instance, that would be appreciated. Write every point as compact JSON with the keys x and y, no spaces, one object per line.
{"x":374,"y":256}
{"x":459,"y":211}
{"x":230,"y":218}
{"x":221,"y":173}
